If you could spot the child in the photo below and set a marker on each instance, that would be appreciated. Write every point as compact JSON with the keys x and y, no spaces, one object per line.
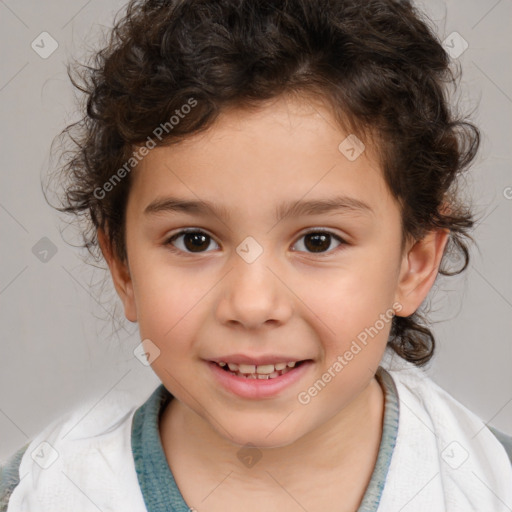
{"x":272,"y":187}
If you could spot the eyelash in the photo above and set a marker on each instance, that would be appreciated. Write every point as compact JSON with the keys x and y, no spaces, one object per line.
{"x":168,"y":242}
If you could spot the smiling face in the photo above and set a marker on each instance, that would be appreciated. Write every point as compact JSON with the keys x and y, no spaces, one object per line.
{"x":250,"y":280}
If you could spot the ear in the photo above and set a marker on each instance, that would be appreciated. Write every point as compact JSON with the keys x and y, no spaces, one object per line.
{"x":419,"y":269}
{"x":120,"y":276}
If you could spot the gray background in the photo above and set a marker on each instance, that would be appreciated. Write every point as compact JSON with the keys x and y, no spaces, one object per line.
{"x":59,"y":344}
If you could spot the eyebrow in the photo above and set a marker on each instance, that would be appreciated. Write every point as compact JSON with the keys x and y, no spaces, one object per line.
{"x":337,"y":204}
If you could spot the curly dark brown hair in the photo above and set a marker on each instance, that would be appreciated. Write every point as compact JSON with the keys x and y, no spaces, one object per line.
{"x":378,"y":63}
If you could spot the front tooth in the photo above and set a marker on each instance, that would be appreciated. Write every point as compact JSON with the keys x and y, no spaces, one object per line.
{"x":280,"y":366}
{"x":265,"y":369}
{"x":246,"y":368}
{"x":233,"y":367}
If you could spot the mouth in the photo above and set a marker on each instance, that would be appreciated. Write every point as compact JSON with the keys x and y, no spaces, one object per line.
{"x":264,"y":381}
{"x":260,"y":372}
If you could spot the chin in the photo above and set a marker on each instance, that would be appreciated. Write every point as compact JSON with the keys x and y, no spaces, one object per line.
{"x":260,"y":438}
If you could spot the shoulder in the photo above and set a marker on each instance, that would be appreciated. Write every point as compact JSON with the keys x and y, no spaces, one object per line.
{"x":93,"y":434}
{"x":10,"y":477}
{"x":433,"y":402}
{"x":504,"y":439}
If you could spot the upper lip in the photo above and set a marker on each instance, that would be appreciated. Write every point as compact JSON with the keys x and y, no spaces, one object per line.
{"x":256,"y":360}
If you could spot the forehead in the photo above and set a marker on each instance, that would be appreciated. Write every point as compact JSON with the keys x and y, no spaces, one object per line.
{"x":253,"y":159}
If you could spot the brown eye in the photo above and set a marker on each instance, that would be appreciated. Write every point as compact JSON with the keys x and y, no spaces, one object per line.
{"x":191,"y":241}
{"x":320,"y":241}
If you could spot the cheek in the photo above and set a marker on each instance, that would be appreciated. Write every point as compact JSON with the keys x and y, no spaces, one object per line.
{"x":351,"y":298}
{"x":351,"y":310}
{"x":168,"y":303}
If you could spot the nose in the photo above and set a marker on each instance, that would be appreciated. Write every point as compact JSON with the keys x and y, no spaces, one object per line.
{"x":254,"y":295}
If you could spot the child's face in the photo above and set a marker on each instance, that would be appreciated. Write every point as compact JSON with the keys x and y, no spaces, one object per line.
{"x":201,"y":299}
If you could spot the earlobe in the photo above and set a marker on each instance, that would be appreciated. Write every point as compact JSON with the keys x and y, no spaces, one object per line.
{"x":120,"y":276}
{"x":420,"y":266}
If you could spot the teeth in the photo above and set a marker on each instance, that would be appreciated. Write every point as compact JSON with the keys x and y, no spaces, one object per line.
{"x":246,"y":368}
{"x":262,"y":369}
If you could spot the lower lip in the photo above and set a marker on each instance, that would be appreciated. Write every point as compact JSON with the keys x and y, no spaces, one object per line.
{"x":258,"y":388}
